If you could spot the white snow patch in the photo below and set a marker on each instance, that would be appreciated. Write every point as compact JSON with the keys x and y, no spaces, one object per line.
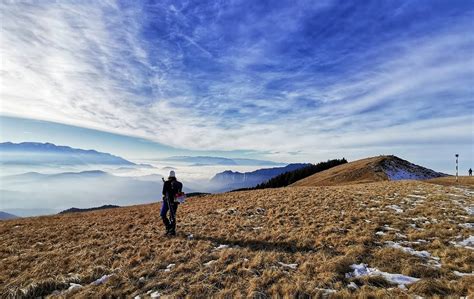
{"x":222,"y":246}
{"x":326,"y":291}
{"x":470,"y":210}
{"x":422,"y":254}
{"x":468,"y":225}
{"x":190,"y":236}
{"x":400,"y":236}
{"x":396,"y":208}
{"x":402,"y":286}
{"x":352,"y":285}
{"x":463,"y":274}
{"x":210,"y":263}
{"x":397,"y":174}
{"x":102,"y":280}
{"x":155,"y":295}
{"x":386,"y":227}
{"x":380,"y":233}
{"x":74,"y":286}
{"x":291,"y":266}
{"x":467,"y":243}
{"x":257,"y":228}
{"x":364,"y":270}
{"x":169,"y":267}
{"x":419,"y":218}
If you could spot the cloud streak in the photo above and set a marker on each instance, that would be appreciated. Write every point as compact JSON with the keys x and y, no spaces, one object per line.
{"x":280,"y":77}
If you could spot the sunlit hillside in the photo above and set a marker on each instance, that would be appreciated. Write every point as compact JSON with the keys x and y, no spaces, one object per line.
{"x":383,"y":239}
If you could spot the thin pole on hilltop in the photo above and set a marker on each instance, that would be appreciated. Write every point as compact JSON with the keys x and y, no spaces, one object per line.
{"x":457,"y":163}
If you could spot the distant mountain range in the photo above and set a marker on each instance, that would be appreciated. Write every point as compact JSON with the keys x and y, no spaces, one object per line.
{"x":6,"y":216}
{"x":230,"y":180}
{"x":206,"y":160}
{"x":76,"y":189}
{"x":76,"y":210}
{"x":34,"y":153}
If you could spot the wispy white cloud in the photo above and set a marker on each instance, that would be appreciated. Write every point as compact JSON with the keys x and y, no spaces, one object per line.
{"x":176,"y":75}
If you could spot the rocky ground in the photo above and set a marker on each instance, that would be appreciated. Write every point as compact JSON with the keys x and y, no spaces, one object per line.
{"x":405,"y":238}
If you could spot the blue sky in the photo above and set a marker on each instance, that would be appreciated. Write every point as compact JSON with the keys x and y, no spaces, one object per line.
{"x":282,"y":80}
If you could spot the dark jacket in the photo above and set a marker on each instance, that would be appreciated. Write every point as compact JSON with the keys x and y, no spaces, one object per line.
{"x":171,"y":187}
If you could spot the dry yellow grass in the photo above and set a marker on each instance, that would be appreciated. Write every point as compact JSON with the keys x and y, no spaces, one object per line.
{"x":464,"y":181}
{"x":321,"y":229}
{"x":357,"y":172}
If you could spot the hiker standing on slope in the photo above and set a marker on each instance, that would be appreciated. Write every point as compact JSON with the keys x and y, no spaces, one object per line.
{"x":470,"y":171}
{"x":171,"y":188}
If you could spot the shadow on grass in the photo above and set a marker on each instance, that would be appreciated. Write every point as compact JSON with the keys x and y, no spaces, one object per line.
{"x":258,"y":245}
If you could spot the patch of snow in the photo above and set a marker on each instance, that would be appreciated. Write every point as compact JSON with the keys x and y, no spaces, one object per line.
{"x":364,"y":270}
{"x":102,"y":280}
{"x":291,"y":266}
{"x":417,"y":242}
{"x":422,"y":254}
{"x":403,"y":287}
{"x":467,"y":243}
{"x":222,"y":246}
{"x":396,"y":208}
{"x":400,"y":236}
{"x":419,"y":218}
{"x":386,"y":227}
{"x":141,"y":279}
{"x":155,"y":295}
{"x":190,"y":236}
{"x":169,"y":267}
{"x":463,"y":274}
{"x":352,"y":285}
{"x":468,"y":225}
{"x":326,"y":291}
{"x":396,"y":174}
{"x":74,"y":286}
{"x":470,"y":210}
{"x":257,"y":228}
{"x":210,"y":263}
{"x":380,"y":233}
{"x":137,"y":297}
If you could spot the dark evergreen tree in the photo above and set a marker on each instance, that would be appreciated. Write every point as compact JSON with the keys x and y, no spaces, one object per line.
{"x":288,"y":178}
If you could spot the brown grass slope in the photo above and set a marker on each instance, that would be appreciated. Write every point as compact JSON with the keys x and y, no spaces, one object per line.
{"x":374,"y":169}
{"x":42,"y":256}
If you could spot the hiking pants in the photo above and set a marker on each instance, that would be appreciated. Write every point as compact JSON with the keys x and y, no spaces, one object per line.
{"x":170,"y":224}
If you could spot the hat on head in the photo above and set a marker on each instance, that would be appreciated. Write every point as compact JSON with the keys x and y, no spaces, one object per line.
{"x":172,"y":174}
